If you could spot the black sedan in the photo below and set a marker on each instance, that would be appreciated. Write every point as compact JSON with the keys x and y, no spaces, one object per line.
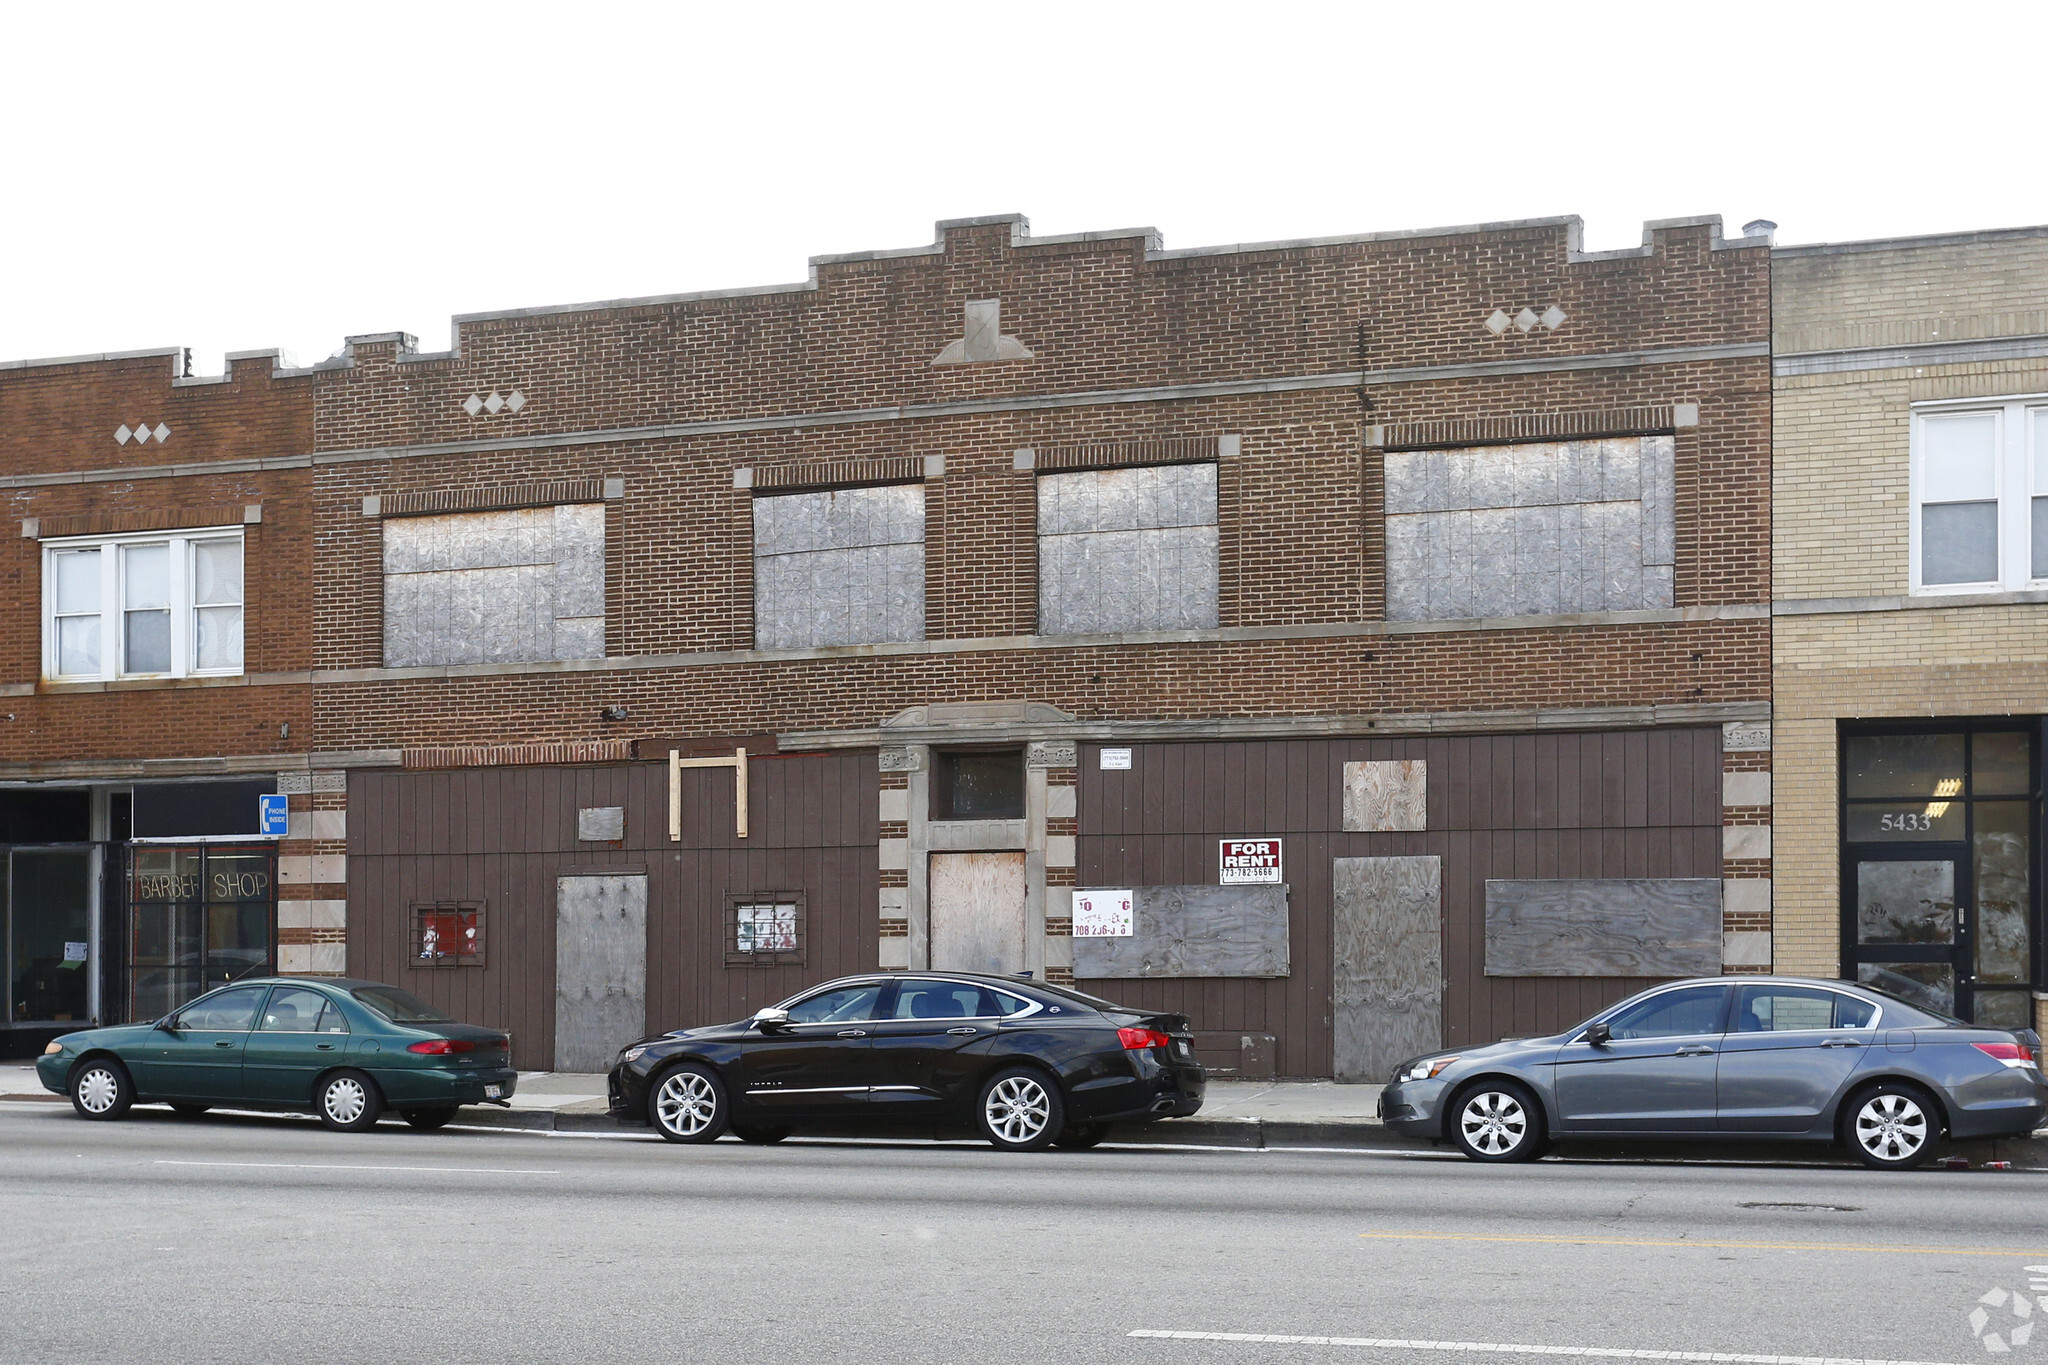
{"x":1025,"y":1063}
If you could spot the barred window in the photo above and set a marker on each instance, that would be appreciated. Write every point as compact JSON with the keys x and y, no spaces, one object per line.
{"x":765,"y":929}
{"x":447,"y":934}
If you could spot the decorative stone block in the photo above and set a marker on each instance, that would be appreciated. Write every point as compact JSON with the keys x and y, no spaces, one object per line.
{"x":1382,"y":796}
{"x":1746,"y":736}
{"x":1059,"y":850}
{"x":1746,"y":896}
{"x":894,"y":807}
{"x":1746,"y":949}
{"x":1745,"y":789}
{"x":894,"y":955}
{"x":1622,"y":926}
{"x":1052,"y":753}
{"x":1745,"y":841}
{"x":901,"y":760}
{"x":1062,"y":803}
{"x":895,"y":855}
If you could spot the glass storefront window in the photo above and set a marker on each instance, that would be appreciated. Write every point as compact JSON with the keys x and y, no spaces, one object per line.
{"x":49,"y":936}
{"x":1903,"y":765}
{"x":201,"y":916}
{"x":1999,"y":849}
{"x":2000,"y":764}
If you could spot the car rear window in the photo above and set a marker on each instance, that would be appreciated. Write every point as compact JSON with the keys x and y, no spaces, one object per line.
{"x":400,"y":1007}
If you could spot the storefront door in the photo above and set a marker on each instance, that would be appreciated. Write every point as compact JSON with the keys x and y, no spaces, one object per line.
{"x":1937,"y":873}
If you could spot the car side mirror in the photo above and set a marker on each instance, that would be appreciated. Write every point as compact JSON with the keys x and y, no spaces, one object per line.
{"x":771,"y":1019}
{"x":1599,"y":1035}
{"x":169,"y":1023}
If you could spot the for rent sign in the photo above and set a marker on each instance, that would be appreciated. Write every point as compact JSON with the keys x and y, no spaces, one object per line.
{"x":1240,"y":861}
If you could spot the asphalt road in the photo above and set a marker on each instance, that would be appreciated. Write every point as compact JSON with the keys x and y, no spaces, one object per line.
{"x":251,"y":1239}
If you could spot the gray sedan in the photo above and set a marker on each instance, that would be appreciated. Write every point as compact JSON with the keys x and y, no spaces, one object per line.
{"x":1733,"y":1057}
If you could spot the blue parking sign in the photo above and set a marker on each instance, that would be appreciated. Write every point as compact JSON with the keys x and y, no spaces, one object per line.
{"x":271,"y":813}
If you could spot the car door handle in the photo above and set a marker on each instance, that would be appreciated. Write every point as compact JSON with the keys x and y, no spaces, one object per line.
{"x":223,"y":1042}
{"x":853,"y":1033}
{"x":1698,"y":1051}
{"x":963,"y":1030}
{"x":1841,"y":1042}
{"x":323,"y":1047}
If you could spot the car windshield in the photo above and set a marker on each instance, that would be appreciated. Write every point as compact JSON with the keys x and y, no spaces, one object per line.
{"x":400,"y":1007}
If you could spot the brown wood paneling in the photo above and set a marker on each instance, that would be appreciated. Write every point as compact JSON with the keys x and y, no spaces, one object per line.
{"x":504,"y":834}
{"x":1638,"y":804}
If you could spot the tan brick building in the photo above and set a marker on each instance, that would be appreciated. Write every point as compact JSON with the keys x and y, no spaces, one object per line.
{"x":1911,"y":614}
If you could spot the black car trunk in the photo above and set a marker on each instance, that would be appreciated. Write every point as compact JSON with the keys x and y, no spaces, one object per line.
{"x":489,"y":1047}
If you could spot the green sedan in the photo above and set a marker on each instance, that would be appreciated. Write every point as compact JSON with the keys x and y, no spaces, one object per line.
{"x":347,"y":1050}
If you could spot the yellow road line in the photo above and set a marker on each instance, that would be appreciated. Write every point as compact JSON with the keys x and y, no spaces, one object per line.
{"x":1688,"y":1242}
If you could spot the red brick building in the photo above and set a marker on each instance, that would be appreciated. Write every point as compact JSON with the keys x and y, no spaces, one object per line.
{"x":1377,"y":612}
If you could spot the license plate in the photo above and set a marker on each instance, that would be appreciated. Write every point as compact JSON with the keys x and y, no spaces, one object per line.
{"x":492,"y":1092}
{"x":1183,"y":1049}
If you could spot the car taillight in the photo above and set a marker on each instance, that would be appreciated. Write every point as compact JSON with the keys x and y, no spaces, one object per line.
{"x":1135,"y":1039}
{"x":437,"y":1047}
{"x":2011,"y":1054}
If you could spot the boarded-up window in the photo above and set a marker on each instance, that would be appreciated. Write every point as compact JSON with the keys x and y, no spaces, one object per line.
{"x":839,"y":568}
{"x":494,"y":587}
{"x":1127,"y":550}
{"x":1530,"y":530}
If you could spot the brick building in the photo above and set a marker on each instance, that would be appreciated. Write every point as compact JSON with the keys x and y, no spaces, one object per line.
{"x":155,"y":678}
{"x":1388,"y":616}
{"x":1912,"y":606}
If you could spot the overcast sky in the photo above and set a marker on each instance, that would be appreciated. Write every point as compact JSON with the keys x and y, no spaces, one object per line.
{"x":230,"y":177}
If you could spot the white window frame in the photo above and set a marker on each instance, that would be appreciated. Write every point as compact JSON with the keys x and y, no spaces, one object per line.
{"x":2014,"y":491}
{"x":180,"y":593}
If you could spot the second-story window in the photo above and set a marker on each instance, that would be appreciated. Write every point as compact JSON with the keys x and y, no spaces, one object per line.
{"x":143,"y":606}
{"x":1980,"y":497}
{"x":1127,"y":550}
{"x":839,"y":568}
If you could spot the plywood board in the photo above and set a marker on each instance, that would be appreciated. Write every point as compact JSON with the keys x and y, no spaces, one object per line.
{"x":600,"y":968}
{"x":1386,"y":796}
{"x":1187,"y":931}
{"x":1616,"y":926}
{"x":977,"y":912}
{"x":1388,"y":987}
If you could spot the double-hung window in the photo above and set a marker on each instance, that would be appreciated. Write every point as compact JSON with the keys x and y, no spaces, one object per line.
{"x":143,"y":606}
{"x":1980,"y":496}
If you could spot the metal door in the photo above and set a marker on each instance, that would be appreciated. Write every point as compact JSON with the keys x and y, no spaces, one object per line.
{"x":600,"y":967}
{"x":1909,"y":916}
{"x":977,"y":912}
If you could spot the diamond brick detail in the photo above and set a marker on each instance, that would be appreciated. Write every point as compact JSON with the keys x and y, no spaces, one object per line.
{"x":1498,"y":322}
{"x":1553,"y":317}
{"x":472,"y":405}
{"x":494,"y":402}
{"x":1526,"y":319}
{"x":142,"y":433}
{"x":163,"y":433}
{"x":122,"y":434}
{"x":516,"y":401}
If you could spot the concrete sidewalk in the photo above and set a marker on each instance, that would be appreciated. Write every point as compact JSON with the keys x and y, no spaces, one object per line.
{"x":1240,"y":1114}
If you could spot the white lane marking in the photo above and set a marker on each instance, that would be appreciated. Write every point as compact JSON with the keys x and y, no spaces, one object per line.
{"x":1505,"y":1348}
{"x":310,"y":1166}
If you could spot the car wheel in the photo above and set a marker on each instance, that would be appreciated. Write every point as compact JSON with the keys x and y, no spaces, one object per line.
{"x":761,"y":1137}
{"x":427,"y":1120}
{"x":1892,"y":1126}
{"x":688,"y":1104}
{"x":190,"y":1111}
{"x":1498,"y":1121}
{"x":348,"y":1102}
{"x":101,"y":1090}
{"x":1020,"y":1110}
{"x":1077,"y":1137}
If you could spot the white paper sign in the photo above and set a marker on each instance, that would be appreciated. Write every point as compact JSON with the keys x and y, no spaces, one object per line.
{"x":75,"y":952}
{"x":1247,"y":861}
{"x":1103,"y":914}
{"x":1115,"y":758}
